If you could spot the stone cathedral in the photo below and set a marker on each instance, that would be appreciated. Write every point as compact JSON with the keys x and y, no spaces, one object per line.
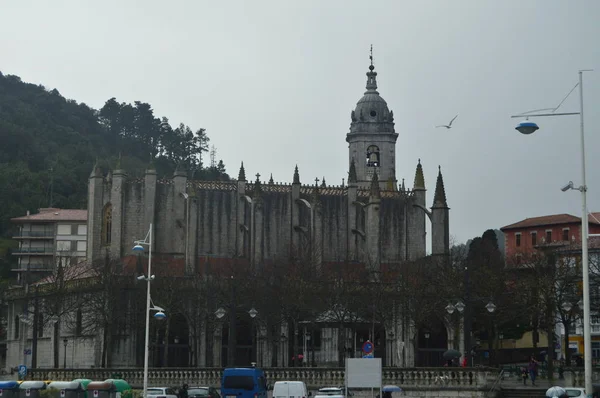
{"x":371,"y":218}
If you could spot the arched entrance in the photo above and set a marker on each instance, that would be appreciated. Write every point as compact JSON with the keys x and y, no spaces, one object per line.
{"x":432,"y":341}
{"x":171,"y":346}
{"x":243,"y":343}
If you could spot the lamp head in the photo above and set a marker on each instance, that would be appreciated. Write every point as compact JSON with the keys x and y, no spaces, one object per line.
{"x":141,"y":277}
{"x":138,"y":248}
{"x":220,"y":313}
{"x":450,"y":308}
{"x":491,"y":307}
{"x":160,"y":315}
{"x":527,"y":127}
{"x":253,"y":313}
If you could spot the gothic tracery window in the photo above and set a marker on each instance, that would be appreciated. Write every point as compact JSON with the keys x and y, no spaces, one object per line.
{"x":107,"y":224}
{"x":373,"y":159}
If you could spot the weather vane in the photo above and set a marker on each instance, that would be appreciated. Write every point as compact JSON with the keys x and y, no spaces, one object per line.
{"x":371,"y":55}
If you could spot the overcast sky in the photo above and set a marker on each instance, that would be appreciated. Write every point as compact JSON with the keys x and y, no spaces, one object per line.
{"x":274,"y":83}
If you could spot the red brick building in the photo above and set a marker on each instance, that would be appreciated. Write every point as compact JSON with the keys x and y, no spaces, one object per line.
{"x":522,"y":237}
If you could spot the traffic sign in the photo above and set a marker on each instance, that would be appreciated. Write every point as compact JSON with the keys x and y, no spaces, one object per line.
{"x":27,"y":351}
{"x":22,"y":371}
{"x":368,"y":355}
{"x":367,"y":347}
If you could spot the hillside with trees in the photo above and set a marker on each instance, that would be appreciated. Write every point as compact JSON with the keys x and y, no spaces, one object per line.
{"x":50,"y":144}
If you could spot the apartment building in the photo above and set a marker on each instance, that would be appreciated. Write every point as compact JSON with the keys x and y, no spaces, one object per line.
{"x":50,"y":237}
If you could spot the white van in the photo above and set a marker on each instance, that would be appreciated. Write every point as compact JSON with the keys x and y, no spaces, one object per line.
{"x":290,"y":389}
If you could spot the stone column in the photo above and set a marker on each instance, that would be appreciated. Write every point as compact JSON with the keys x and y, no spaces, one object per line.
{"x":116,"y":199}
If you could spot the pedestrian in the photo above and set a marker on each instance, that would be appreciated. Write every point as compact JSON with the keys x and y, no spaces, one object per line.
{"x":524,"y":375}
{"x":532,"y":368}
{"x":183,"y":392}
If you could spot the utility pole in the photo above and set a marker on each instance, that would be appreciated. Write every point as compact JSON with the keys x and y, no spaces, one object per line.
{"x":232,"y":335}
{"x":36,"y":326}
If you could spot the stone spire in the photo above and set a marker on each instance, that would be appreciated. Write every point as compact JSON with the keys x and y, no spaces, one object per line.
{"x":419,"y":179}
{"x":439,"y":199}
{"x":96,"y":171}
{"x":271,"y":180}
{"x":296,"y":176}
{"x":390,"y":184}
{"x":403,"y":186}
{"x":323,"y":184}
{"x":375,"y":193}
{"x":352,"y":173}
{"x":242,"y":173}
{"x":371,"y":75}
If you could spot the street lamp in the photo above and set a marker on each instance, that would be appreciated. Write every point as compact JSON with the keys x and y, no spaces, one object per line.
{"x":139,"y":248}
{"x":253,"y":313}
{"x":65,"y":342}
{"x":528,"y":128}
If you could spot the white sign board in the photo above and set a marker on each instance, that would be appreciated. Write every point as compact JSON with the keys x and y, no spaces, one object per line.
{"x":363,"y":373}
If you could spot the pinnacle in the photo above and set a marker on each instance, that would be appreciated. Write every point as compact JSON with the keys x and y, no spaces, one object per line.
{"x":296,"y":176}
{"x":271,"y":180}
{"x":352,"y":173}
{"x":439,"y":199}
{"x":375,"y":186}
{"x":419,"y":179}
{"x":242,"y":173}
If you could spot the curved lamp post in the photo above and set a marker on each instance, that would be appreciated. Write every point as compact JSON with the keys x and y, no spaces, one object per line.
{"x":527,"y":127}
{"x":139,"y":248}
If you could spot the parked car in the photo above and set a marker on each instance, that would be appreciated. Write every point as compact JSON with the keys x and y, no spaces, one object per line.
{"x":244,"y":383}
{"x":290,"y":389}
{"x":203,"y":392}
{"x":330,"y":392}
{"x":162,"y":392}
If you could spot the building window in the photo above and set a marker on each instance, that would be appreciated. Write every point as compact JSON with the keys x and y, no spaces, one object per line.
{"x":63,"y":229}
{"x":82,"y":229}
{"x":548,"y":236}
{"x":518,"y":239}
{"x":565,"y":236}
{"x":533,"y":238}
{"x":107,"y":224}
{"x":81,"y":245}
{"x":373,"y":159}
{"x":63,"y":246}
{"x":16,"y":326}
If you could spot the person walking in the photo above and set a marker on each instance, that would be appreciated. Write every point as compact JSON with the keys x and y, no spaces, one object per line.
{"x":183,"y":393}
{"x":532,"y":368}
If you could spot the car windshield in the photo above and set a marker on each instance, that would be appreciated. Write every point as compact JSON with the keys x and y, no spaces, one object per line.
{"x":574,"y":393}
{"x":330,"y":391}
{"x":198,"y":392}
{"x":155,"y":391}
{"x":239,"y":383}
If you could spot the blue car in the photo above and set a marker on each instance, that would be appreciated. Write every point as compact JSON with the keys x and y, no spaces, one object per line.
{"x":244,"y":383}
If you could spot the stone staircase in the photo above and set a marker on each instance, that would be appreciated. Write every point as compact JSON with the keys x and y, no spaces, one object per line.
{"x":524,"y":392}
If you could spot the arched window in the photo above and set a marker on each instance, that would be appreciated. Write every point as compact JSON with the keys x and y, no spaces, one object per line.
{"x":107,"y":224}
{"x":16,"y":326}
{"x":373,"y":159}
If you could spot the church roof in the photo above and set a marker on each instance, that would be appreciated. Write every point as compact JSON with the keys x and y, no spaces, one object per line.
{"x":287,"y":189}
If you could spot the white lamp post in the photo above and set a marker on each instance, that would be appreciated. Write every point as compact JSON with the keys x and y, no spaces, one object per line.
{"x":139,"y":248}
{"x":528,"y":127}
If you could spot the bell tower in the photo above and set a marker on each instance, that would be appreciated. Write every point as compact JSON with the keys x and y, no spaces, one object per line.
{"x":372,"y":138}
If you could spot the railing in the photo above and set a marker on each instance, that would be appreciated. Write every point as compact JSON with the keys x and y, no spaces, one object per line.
{"x":408,"y":378}
{"x":33,"y":250}
{"x":34,"y":234}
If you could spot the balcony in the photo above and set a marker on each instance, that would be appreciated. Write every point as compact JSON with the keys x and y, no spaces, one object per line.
{"x":42,"y":267}
{"x":34,"y":235}
{"x":33,"y":251}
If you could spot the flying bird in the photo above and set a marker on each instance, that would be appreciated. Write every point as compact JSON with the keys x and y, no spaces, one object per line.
{"x":449,"y":125}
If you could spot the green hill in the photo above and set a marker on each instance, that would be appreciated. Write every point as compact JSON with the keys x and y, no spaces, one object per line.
{"x":50,"y":144}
